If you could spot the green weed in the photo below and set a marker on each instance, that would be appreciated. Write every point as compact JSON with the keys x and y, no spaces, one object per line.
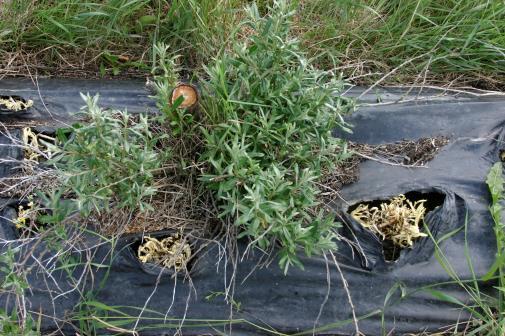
{"x":495,"y":182}
{"x":14,"y":282}
{"x":9,"y":325}
{"x":101,"y":316}
{"x":100,"y":25}
{"x":200,"y":30}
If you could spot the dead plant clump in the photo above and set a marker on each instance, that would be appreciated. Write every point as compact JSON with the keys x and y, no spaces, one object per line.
{"x":397,"y":220}
{"x":14,"y":104}
{"x":37,"y":145}
{"x":172,"y":252}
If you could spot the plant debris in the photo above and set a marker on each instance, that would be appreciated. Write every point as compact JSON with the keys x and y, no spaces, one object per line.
{"x":406,"y":152}
{"x":22,"y":184}
{"x":15,"y":104}
{"x":36,"y":144}
{"x":396,"y":220}
{"x":414,"y":153}
{"x":170,"y":252}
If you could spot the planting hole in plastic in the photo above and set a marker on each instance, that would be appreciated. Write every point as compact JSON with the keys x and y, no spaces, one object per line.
{"x":432,"y":200}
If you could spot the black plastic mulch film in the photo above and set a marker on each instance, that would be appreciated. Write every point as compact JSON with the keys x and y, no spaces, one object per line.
{"x":291,"y":303}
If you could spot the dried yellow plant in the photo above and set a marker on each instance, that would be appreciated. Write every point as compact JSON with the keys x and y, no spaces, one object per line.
{"x":25,"y":215}
{"x":396,"y":220}
{"x":36,"y":144}
{"x":171,"y":252}
{"x":15,"y":104}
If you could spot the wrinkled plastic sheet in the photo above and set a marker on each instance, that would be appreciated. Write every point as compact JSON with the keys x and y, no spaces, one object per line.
{"x":312,"y":299}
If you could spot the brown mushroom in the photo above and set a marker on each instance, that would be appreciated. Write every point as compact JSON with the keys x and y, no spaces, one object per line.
{"x":189,"y":93}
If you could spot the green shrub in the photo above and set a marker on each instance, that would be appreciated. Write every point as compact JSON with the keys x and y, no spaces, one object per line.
{"x":110,"y":158}
{"x":270,"y":116}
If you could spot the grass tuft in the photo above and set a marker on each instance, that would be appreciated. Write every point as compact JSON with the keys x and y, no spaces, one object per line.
{"x":408,"y":41}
